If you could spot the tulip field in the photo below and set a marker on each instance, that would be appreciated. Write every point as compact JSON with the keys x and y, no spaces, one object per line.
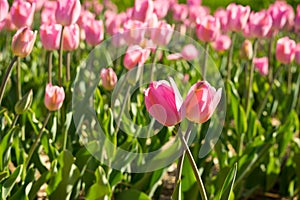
{"x":149,"y":99}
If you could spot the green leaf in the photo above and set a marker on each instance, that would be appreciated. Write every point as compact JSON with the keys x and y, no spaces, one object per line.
{"x":5,"y":145}
{"x":11,"y":181}
{"x":132,"y":194}
{"x":228,"y":184}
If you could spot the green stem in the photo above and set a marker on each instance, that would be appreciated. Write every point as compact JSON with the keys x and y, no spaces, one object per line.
{"x":249,"y":91}
{"x":206,"y":47}
{"x":194,"y":167}
{"x":19,"y":86}
{"x":68,"y":66}
{"x":122,"y":108}
{"x":5,"y":78}
{"x":263,"y":104}
{"x":50,"y":56}
{"x":290,"y":77}
{"x":15,"y":121}
{"x":270,"y":58}
{"x":37,"y":140}
{"x":60,"y":57}
{"x":229,"y":64}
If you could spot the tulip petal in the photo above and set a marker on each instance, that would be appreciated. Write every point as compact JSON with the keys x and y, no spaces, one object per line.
{"x":178,"y":97}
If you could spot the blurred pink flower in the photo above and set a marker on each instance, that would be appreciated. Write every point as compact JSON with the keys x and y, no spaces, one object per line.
{"x":222,"y":15}
{"x":194,"y":2}
{"x":161,"y":8}
{"x":188,"y":52}
{"x":208,"y":29}
{"x":222,"y":43}
{"x":85,"y":17}
{"x":23,"y":42}
{"x":4,"y":7}
{"x":48,"y":13}
{"x":297,"y":18}
{"x":262,"y":65}
{"x":237,"y":16}
{"x":67,"y":12}
{"x":114,"y":21}
{"x":297,"y":53}
{"x":162,"y":33}
{"x":22,"y":13}
{"x":142,"y":10}
{"x":135,"y":56}
{"x":134,"y":32}
{"x":285,"y":50}
{"x":109,"y":78}
{"x":197,"y":13}
{"x":260,"y":23}
{"x":71,"y":37}
{"x":279,"y":15}
{"x":180,"y":12}
{"x":50,"y":36}
{"x":94,"y":32}
{"x":54,"y":97}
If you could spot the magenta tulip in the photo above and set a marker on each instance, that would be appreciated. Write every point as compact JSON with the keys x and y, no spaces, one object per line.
{"x":22,"y":13}
{"x":222,"y":43}
{"x":162,"y":33}
{"x":279,"y":16}
{"x":297,"y":18}
{"x":142,"y":10}
{"x":94,"y":32}
{"x":163,"y":103}
{"x":67,"y":12}
{"x":135,"y":55}
{"x":54,"y":97}
{"x":50,"y":36}
{"x":208,"y":29}
{"x":297,"y":53}
{"x":201,"y":102}
{"x":260,"y":23}
{"x":285,"y":50}
{"x":23,"y":42}
{"x":4,"y":7}
{"x":237,"y":16}
{"x":71,"y":37}
{"x":262,"y":65}
{"x":109,"y":78}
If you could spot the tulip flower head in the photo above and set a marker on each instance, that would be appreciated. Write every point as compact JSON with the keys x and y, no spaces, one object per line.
{"x":135,"y":55}
{"x":143,"y":10}
{"x":285,"y":50}
{"x":71,"y":37}
{"x":164,"y":102}
{"x":109,"y":78}
{"x":208,"y":29}
{"x":162,"y":33}
{"x":201,"y":101}
{"x":4,"y":7}
{"x":54,"y":97}
{"x":260,"y":23}
{"x":222,"y":43}
{"x":23,"y":42}
{"x":237,"y":16}
{"x":50,"y":36}
{"x":297,"y":54}
{"x":22,"y":13}
{"x":262,"y":65}
{"x":67,"y":12}
{"x":246,"y":51}
{"x":94,"y":32}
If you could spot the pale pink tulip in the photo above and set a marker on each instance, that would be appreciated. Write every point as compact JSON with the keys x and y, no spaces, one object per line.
{"x":135,"y":56}
{"x":109,"y":78}
{"x":164,"y":103}
{"x":162,"y":33}
{"x":297,"y":54}
{"x":222,"y":15}
{"x":4,"y":7}
{"x":48,"y":13}
{"x":67,"y":12}
{"x":54,"y":97}
{"x":194,"y":2}
{"x":50,"y":36}
{"x":189,"y":52}
{"x":85,"y":18}
{"x":23,"y":42}
{"x":94,"y":32}
{"x":262,"y":65}
{"x":260,"y":23}
{"x":134,"y":32}
{"x":222,"y":43}
{"x":142,"y":10}
{"x":161,"y":8}
{"x":180,"y":12}
{"x":71,"y":37}
{"x":197,"y":13}
{"x":297,"y":18}
{"x":237,"y":16}
{"x":208,"y":29}
{"x":201,"y":101}
{"x":22,"y":13}
{"x":279,"y":16}
{"x":285,"y":50}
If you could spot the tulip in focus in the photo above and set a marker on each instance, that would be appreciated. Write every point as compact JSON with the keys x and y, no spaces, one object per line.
{"x":297,"y":54}
{"x":222,"y":43}
{"x":208,"y":29}
{"x":67,"y":12}
{"x":201,"y":101}
{"x":163,"y":102}
{"x":50,"y":36}
{"x":23,"y":42}
{"x":285,"y":50}
{"x":71,"y":37}
{"x":54,"y":97}
{"x":143,"y":10}
{"x":135,"y":55}
{"x":94,"y":32}
{"x":109,"y":78}
{"x":162,"y":33}
{"x":22,"y":13}
{"x":260,"y":23}
{"x":246,"y":51}
{"x":262,"y":65}
{"x":4,"y":7}
{"x":237,"y":16}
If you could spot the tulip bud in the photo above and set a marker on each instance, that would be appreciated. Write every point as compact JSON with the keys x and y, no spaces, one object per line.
{"x":22,"y":13}
{"x":135,"y":55}
{"x":208,"y":29}
{"x":109,"y":78}
{"x":71,"y":37}
{"x":67,"y":12}
{"x":50,"y":36}
{"x":4,"y":7}
{"x":246,"y":51}
{"x":285,"y":50}
{"x":262,"y":65}
{"x":163,"y":103}
{"x":54,"y":97}
{"x":23,"y":42}
{"x":201,"y":102}
{"x":24,"y":104}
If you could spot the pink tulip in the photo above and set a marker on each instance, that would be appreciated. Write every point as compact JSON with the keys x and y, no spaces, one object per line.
{"x":163,"y":103}
{"x":54,"y":97}
{"x":262,"y":65}
{"x":50,"y":36}
{"x":67,"y":12}
{"x":222,"y":43}
{"x":142,"y":10}
{"x":246,"y":51}
{"x":237,"y":16}
{"x":4,"y":7}
{"x":297,"y":18}
{"x":297,"y":54}
{"x":22,"y":13}
{"x":161,"y":8}
{"x":197,"y":13}
{"x":279,"y":16}
{"x":194,"y":2}
{"x":260,"y":23}
{"x":188,"y":52}
{"x":8,"y":24}
{"x":135,"y":55}
{"x":114,"y":21}
{"x":201,"y":101}
{"x":134,"y":32}
{"x":180,"y":12}
{"x":23,"y":42}
{"x":288,"y":13}
{"x":162,"y":33}
{"x":71,"y":37}
{"x":94,"y":32}
{"x":221,"y":14}
{"x":85,"y":18}
{"x":208,"y":29}
{"x":39,"y":4}
{"x":48,"y":13}
{"x":285,"y":50}
{"x":109,"y":78}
